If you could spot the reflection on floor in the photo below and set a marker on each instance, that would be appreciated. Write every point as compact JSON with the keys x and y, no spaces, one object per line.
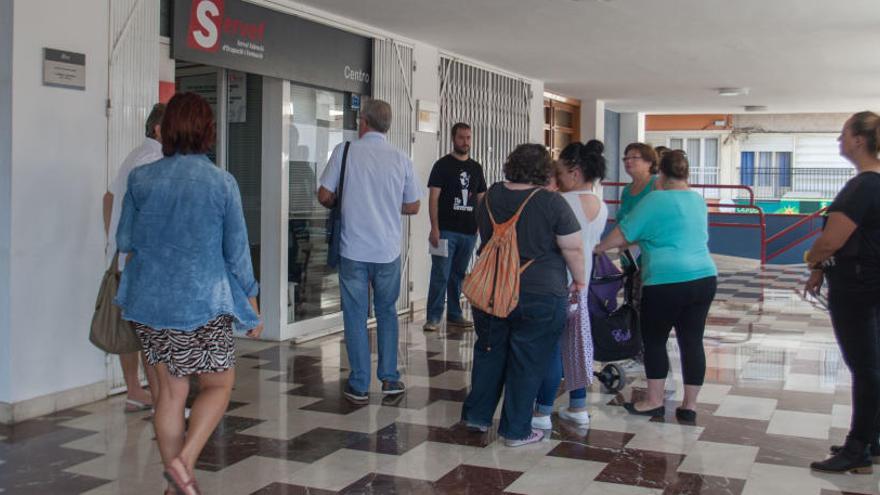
{"x":777,"y":396}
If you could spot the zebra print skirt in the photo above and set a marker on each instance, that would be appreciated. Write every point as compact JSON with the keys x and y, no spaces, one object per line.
{"x":207,"y":349}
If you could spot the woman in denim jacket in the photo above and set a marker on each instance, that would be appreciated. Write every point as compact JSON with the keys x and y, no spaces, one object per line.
{"x":188,"y":279}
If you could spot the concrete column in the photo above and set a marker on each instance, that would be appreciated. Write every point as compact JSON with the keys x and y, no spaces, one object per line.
{"x":273,"y":216}
{"x":5,"y":205}
{"x":592,"y":120}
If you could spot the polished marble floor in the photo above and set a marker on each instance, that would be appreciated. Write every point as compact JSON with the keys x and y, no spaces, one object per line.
{"x":776,"y":396}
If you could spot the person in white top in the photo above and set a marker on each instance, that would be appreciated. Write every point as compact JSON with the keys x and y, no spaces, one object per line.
{"x":579,"y":170}
{"x":148,"y":152}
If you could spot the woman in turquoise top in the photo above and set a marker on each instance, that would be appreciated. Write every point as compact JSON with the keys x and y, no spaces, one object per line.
{"x":640,"y":162}
{"x":671,"y":227}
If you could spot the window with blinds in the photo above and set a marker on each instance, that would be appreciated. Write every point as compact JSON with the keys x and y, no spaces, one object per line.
{"x":495,"y":105}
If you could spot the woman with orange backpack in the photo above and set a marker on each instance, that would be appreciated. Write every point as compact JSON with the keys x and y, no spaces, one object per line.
{"x":519,"y":292}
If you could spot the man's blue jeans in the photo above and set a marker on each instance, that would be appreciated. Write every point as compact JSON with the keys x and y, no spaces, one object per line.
{"x":355,"y":280}
{"x":447,"y":274}
{"x":511,"y":355}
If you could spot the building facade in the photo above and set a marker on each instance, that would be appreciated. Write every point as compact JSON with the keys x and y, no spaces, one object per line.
{"x":286,"y":83}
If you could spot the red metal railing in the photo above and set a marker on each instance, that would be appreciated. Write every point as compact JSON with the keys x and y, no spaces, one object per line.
{"x":748,"y":189}
{"x":761,"y":225}
{"x":812,"y":231}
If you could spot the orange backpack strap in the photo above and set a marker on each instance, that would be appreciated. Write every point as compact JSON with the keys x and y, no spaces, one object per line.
{"x":515,"y":219}
{"x":523,"y":205}
{"x":516,"y":215}
{"x":489,"y":210}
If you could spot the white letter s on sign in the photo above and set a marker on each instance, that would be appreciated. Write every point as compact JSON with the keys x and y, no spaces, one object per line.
{"x":204,"y":8}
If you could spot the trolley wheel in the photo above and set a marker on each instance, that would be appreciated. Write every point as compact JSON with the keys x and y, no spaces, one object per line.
{"x":613,"y":378}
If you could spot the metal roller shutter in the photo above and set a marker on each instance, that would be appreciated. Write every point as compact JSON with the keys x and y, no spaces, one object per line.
{"x":392,"y":82}
{"x":495,"y":105}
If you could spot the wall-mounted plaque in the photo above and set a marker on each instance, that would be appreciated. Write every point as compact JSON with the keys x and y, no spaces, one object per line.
{"x":64,"y":69}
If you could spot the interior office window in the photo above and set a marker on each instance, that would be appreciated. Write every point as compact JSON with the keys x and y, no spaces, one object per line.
{"x":320,"y":120}
{"x":244,"y":148}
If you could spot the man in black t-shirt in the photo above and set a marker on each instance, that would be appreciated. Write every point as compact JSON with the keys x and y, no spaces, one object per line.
{"x":457,"y":185}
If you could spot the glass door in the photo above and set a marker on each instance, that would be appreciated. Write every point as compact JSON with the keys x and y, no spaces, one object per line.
{"x":318,"y":121}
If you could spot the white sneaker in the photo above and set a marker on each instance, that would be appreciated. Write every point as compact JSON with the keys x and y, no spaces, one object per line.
{"x":534,"y":437}
{"x":580,"y":418}
{"x":542,"y":423}
{"x":476,"y":428}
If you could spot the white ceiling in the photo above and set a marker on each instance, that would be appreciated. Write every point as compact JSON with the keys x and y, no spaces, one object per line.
{"x":658,"y":55}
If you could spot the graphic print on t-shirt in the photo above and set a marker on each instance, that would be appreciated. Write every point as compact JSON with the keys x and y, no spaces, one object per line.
{"x":461,"y":202}
{"x":460,"y":183}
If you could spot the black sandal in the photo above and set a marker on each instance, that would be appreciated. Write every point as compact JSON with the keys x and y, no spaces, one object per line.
{"x":656,"y":412}
{"x":687,"y":415}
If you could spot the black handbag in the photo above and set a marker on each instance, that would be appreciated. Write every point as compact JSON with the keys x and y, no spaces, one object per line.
{"x":334,"y":221}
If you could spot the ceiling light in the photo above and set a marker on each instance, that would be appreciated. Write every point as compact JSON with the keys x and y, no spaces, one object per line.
{"x":755,"y":108}
{"x":733,"y":91}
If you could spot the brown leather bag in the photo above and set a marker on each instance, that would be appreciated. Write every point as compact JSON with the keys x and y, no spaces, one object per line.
{"x":493,"y":284}
{"x":110,"y":332}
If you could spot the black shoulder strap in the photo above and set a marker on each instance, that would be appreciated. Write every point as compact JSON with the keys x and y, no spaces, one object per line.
{"x":342,"y":175}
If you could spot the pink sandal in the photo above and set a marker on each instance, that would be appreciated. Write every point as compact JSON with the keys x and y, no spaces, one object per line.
{"x":182,"y":487}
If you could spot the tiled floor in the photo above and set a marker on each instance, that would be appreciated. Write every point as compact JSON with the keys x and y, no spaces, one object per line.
{"x":777,"y":395}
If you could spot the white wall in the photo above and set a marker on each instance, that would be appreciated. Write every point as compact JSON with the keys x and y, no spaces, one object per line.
{"x":592,"y":119}
{"x":58,"y":176}
{"x":426,"y":86}
{"x":536,"y":112}
{"x":791,"y":122}
{"x":6,"y":15}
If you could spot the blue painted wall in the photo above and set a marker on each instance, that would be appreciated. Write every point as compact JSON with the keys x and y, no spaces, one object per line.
{"x":745,"y":242}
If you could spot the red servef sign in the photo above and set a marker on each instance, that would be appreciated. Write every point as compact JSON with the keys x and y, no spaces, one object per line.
{"x":204,"y":25}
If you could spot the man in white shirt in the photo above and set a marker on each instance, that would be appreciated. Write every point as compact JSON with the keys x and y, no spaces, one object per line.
{"x":148,"y":152}
{"x":379,"y":186}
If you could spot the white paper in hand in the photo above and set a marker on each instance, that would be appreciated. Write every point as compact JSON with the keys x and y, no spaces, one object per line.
{"x":442,"y":248}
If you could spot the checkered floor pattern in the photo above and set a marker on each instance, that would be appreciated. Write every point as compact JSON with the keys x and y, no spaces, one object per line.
{"x":777,"y":395}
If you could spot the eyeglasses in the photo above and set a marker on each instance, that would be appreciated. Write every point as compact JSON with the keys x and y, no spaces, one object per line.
{"x":627,"y":158}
